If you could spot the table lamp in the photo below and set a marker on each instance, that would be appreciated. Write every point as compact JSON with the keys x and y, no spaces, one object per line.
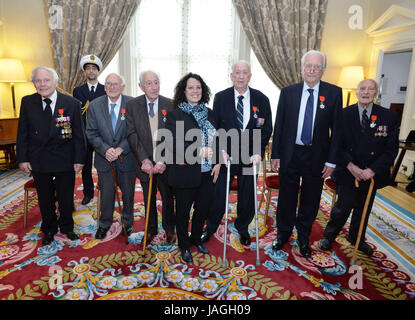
{"x":350,"y":77}
{"x":11,"y":71}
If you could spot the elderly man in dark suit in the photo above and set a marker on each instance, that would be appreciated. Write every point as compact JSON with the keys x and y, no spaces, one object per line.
{"x":145,"y":115}
{"x":51,"y":146}
{"x":91,"y":65}
{"x":305,"y":142}
{"x":368,"y":149}
{"x":243,"y":113}
{"x":106,"y":131}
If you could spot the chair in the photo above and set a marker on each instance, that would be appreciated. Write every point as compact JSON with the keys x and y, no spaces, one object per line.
{"x":330,"y":185}
{"x":98,"y":204}
{"x":28,"y":187}
{"x":271,"y":182}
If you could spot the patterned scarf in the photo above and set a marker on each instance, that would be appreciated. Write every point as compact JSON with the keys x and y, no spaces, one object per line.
{"x":208,"y":131}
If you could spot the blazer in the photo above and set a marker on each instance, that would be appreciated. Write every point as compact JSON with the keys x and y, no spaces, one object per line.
{"x":139,"y":131}
{"x":42,"y":142}
{"x":181,"y":173}
{"x":102,"y":137}
{"x":82,"y":93}
{"x":225,"y":116}
{"x":326,"y":131}
{"x":374,"y":148}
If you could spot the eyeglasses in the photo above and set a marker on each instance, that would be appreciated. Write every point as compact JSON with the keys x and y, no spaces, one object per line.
{"x":317,"y":67}
{"x":112,"y":84}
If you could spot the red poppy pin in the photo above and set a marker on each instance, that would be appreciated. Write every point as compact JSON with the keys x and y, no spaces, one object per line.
{"x":164,"y":112}
{"x":322,"y":99}
{"x":123,"y":114}
{"x":373,"y":117}
{"x":255,"y":109}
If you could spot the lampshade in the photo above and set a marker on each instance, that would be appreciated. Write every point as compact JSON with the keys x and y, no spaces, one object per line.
{"x":11,"y":70}
{"x":350,"y":77}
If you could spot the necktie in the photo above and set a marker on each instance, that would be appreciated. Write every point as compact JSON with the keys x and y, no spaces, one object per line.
{"x":113,"y":116}
{"x":48,"y":110}
{"x":240,"y":112}
{"x":365,"y":120}
{"x":306,"y":133}
{"x":92,"y":90}
{"x":151,"y":112}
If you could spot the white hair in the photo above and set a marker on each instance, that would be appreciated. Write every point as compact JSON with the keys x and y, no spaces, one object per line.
{"x":52,"y":71}
{"x":140,"y":77}
{"x":373,"y":81}
{"x":314,"y":52}
{"x":241,"y":61}
{"x":120,"y":76}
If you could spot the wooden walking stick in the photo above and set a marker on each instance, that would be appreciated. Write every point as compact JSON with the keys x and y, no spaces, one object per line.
{"x":150,"y":189}
{"x":114,"y":178}
{"x":362,"y":220}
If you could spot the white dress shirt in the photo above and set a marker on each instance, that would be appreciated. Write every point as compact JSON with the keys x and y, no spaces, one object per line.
{"x":117,"y":107}
{"x":53,"y":98}
{"x":246,"y":102}
{"x":304,"y":98}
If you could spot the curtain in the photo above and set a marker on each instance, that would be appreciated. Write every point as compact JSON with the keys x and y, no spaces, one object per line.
{"x":80,"y":27}
{"x":280,"y":32}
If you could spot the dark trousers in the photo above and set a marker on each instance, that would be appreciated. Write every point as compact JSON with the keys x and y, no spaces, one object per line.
{"x":202,"y":197}
{"x":349,"y":198}
{"x":87,"y":180}
{"x":167,"y":211}
{"x":311,"y":187}
{"x":126,"y":183}
{"x":245,"y":206}
{"x":45,"y":187}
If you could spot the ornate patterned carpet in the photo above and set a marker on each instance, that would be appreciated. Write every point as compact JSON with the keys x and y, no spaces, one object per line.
{"x":111,"y":269}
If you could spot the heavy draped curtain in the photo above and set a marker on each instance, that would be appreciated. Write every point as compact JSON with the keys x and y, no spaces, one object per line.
{"x":280,"y":32}
{"x":80,"y":27}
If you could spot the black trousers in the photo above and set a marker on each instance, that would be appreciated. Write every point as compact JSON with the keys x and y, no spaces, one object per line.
{"x":349,"y":198}
{"x":45,"y":187}
{"x":311,"y":187}
{"x":245,"y":206}
{"x":167,"y":211}
{"x":87,"y":180}
{"x":202,"y":197}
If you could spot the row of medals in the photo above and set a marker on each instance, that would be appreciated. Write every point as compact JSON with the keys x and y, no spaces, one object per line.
{"x":65,"y":124}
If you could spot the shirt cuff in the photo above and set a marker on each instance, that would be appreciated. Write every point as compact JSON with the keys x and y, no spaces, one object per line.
{"x":328,"y":164}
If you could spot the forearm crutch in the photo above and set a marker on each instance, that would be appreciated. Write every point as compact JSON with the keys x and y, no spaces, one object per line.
{"x":228,"y":178}
{"x":114,"y":178}
{"x":258,"y":261}
{"x":150,"y":189}
{"x":362,"y":221}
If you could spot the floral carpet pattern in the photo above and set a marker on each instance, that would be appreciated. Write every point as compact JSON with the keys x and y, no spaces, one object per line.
{"x":111,"y":269}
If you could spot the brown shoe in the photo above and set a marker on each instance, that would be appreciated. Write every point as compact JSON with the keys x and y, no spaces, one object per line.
{"x":171,"y":237}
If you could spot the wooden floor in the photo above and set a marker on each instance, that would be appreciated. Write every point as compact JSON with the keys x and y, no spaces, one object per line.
{"x":399,"y":195}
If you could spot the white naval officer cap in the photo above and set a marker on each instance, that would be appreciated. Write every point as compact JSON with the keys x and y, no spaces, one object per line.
{"x":91,"y":58}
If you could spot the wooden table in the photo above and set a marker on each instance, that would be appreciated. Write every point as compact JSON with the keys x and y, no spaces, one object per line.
{"x":404,"y":146}
{"x":8,"y":136}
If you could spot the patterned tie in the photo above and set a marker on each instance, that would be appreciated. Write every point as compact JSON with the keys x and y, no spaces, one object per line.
{"x":240,"y":112}
{"x":151,"y":112}
{"x":365,"y":120}
{"x":306,"y":134}
{"x":113,"y":116}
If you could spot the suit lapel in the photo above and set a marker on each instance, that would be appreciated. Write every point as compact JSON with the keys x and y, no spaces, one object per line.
{"x":120,"y":115}
{"x":322,"y":92}
{"x":106,"y":114}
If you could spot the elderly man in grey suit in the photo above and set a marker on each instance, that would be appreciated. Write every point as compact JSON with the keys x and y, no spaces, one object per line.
{"x":145,"y":115}
{"x":106,"y":132}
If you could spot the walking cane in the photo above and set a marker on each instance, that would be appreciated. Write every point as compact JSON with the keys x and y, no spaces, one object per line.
{"x":150,"y":189}
{"x":362,"y":221}
{"x":118,"y":200}
{"x":228,"y":178}
{"x":258,"y":261}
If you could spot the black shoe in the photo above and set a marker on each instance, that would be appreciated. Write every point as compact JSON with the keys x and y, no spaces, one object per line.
{"x":187,"y":256}
{"x":72,"y":235}
{"x":201,"y":248}
{"x":101,"y":233}
{"x":48,"y":238}
{"x":305,"y":250}
{"x":128,"y":231}
{"x":205,"y":236}
{"x":278,"y":244}
{"x":245,"y":239}
{"x":325,"y":244}
{"x":365,"y":248}
{"x":86,"y":200}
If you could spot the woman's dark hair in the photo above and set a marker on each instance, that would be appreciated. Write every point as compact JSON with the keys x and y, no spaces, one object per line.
{"x":179,"y":95}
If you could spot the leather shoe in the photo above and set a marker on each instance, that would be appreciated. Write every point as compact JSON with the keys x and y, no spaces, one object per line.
{"x":101,"y":233}
{"x":205,"y":236}
{"x":128,"y":231}
{"x":278,"y":244}
{"x":201,"y":248}
{"x":72,"y":235}
{"x":171,"y":237}
{"x":305,"y":250}
{"x":86,"y":200}
{"x":245,"y":239}
{"x":325,"y":244}
{"x":187,"y":256}
{"x":365,"y":248}
{"x":48,"y":238}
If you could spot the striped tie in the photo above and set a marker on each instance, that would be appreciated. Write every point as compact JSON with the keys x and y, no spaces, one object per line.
{"x":113,"y":116}
{"x":365,"y":120}
{"x":240,"y":112}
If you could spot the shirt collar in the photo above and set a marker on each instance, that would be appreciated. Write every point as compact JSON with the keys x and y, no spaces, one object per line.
{"x":118,"y":102}
{"x":53,"y":97}
{"x":306,"y":87}
{"x":237,"y":94}
{"x":368,"y":109}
